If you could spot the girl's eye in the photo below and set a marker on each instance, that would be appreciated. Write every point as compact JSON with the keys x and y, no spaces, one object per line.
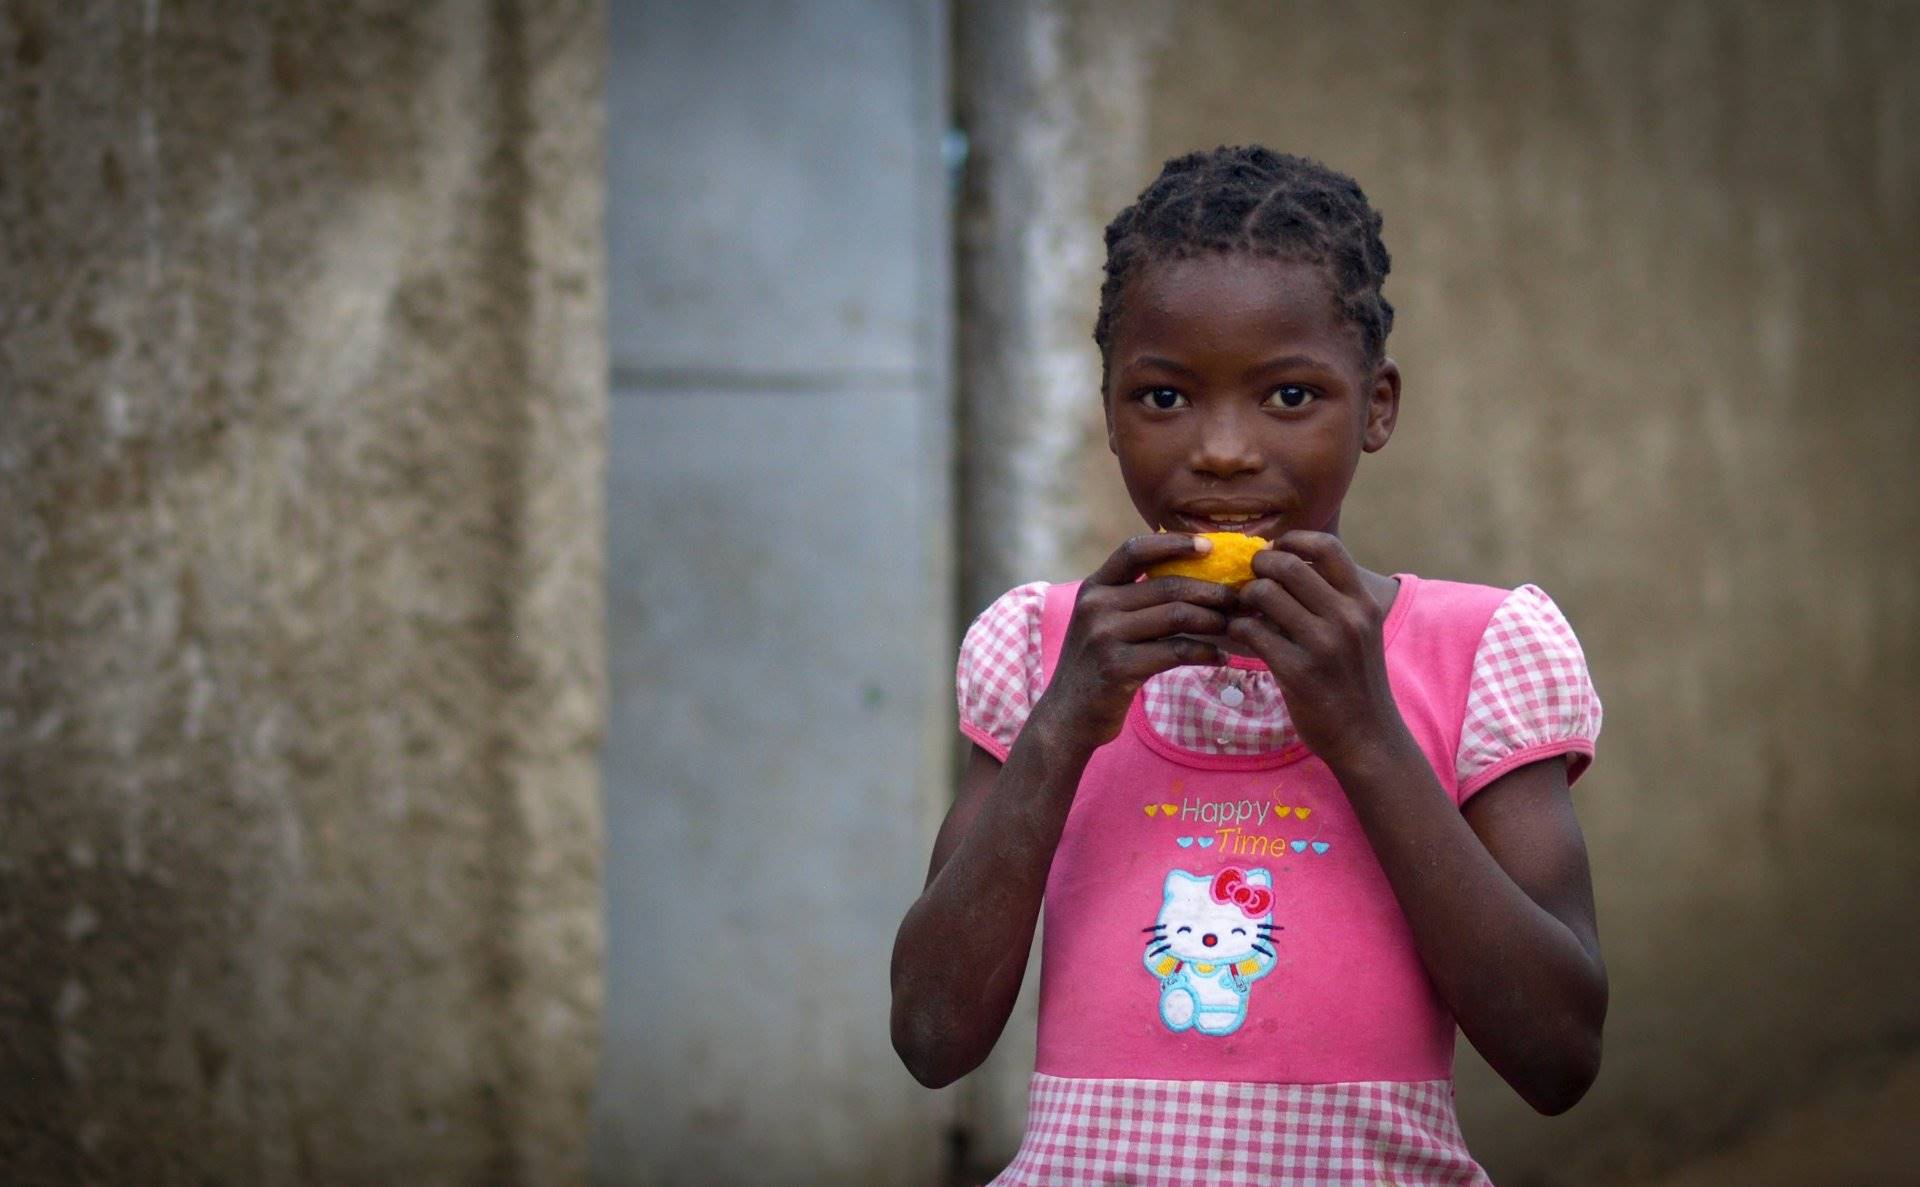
{"x":1162,"y":399}
{"x":1291,"y":395}
{"x":1239,"y":931}
{"x":1183,"y":931}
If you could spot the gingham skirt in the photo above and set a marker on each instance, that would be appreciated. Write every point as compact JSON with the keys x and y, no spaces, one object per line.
{"x":1177,"y":1133}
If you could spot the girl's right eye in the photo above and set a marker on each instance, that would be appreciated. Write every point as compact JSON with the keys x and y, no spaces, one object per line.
{"x":1162,"y":399}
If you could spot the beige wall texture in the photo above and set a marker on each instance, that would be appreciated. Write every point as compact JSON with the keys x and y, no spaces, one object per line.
{"x":1657,"y":269}
{"x":302,"y":391}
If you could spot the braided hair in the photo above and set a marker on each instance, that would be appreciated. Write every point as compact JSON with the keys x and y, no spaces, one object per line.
{"x":1254,"y":200}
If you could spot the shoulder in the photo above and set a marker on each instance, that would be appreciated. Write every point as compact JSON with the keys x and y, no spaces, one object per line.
{"x":1528,"y":632}
{"x":1466,"y":602}
{"x":1009,"y":620}
{"x":1483,"y":615}
{"x":998,"y":675}
{"x":1434,"y":626}
{"x":1530,"y":696}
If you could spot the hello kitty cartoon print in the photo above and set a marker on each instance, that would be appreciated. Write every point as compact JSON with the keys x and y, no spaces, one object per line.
{"x":1212,"y":940}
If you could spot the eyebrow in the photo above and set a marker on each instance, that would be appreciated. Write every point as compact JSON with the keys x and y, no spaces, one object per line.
{"x":1154,"y":360}
{"x":1286,"y":361}
{"x":1281,"y":363}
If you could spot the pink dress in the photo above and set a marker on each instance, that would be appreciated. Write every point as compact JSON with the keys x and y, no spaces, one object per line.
{"x":1229,"y":991}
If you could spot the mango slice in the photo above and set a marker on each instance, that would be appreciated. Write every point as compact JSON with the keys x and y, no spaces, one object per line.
{"x":1230,"y":563}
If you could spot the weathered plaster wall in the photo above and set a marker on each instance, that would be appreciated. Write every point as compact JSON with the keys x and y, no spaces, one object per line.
{"x":302,"y":397}
{"x":1657,"y":268}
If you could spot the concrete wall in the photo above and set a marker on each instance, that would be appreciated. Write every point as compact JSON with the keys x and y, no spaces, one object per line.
{"x":1657,"y":268}
{"x":301,"y":421}
{"x":780,"y":578}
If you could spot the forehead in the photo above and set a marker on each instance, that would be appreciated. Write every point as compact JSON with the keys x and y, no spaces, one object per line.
{"x":1232,"y":302}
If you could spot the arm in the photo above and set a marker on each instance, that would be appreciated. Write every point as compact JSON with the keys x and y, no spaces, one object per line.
{"x":1497,"y":894}
{"x":1501,"y":906}
{"x":962,"y":949}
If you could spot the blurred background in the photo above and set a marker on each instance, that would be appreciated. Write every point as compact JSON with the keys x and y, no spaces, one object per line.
{"x":490,"y":491}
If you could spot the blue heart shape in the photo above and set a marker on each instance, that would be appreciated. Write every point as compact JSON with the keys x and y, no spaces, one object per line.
{"x":1320,"y":846}
{"x":1184,"y":842}
{"x":1299,"y":846}
{"x":1206,"y":842}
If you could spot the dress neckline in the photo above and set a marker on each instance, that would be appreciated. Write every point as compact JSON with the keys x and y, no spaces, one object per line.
{"x":1408,"y":587}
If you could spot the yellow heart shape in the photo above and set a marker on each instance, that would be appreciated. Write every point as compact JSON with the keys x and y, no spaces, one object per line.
{"x":1303,"y":813}
{"x":1152,"y":809}
{"x":1169,"y":809}
{"x":1281,"y":809}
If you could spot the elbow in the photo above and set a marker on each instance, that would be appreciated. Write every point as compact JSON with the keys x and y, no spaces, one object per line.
{"x":1570,"y":1062}
{"x":1560,"y":1088}
{"x":929,"y":1071}
{"x":1551,"y":1101}
{"x":924,"y":1049}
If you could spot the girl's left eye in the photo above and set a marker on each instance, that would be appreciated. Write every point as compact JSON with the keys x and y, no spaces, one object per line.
{"x":1291,"y":395}
{"x":1239,"y":931}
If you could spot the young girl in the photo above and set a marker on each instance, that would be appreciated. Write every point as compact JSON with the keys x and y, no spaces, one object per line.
{"x":1286,"y":836}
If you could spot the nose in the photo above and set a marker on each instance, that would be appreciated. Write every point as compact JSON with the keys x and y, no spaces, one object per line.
{"x":1209,"y":939}
{"x":1228,"y":446}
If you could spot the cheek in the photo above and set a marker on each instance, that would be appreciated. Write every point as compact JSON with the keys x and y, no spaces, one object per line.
{"x":1330,"y":455}
{"x":1143,"y":469}
{"x":1146,"y":456}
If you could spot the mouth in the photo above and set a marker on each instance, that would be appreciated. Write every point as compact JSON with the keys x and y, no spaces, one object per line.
{"x":1251,"y":522}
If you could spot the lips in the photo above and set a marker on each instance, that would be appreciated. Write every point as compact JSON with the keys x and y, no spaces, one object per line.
{"x":1249,"y":519}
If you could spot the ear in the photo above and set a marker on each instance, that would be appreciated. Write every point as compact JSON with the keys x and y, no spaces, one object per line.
{"x":1106,"y":407}
{"x":1260,"y":878}
{"x":1383,"y":406}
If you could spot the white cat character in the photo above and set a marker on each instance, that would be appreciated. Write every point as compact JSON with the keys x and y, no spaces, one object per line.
{"x":1213,"y":940}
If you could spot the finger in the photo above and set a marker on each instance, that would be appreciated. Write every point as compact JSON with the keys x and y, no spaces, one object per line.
{"x":1150,"y":659}
{"x":1329,"y":556}
{"x":1170,"y":618}
{"x":1277,"y":605}
{"x":1284,"y":658}
{"x":1133,"y":557}
{"x":1157,"y":590}
{"x":1306,"y":581}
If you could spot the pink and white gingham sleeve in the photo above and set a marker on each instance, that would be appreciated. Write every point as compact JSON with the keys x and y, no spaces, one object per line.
{"x":1531,"y":696}
{"x":999,"y":673}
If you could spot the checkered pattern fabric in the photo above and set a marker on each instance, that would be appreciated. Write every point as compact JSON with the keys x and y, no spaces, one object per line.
{"x":1530,"y":691}
{"x":1174,"y":1133}
{"x":1000,"y":668}
{"x":1530,"y":695}
{"x":1188,"y":707}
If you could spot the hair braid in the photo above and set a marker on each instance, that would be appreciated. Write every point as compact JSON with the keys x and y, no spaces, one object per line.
{"x":1251,"y":199}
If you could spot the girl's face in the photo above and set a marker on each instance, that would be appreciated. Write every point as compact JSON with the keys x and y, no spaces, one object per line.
{"x":1239,"y":398}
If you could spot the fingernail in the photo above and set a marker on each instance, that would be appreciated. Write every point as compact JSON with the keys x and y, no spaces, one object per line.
{"x":1202,"y":544}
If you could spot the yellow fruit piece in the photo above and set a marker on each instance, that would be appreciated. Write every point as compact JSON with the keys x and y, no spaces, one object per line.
{"x":1230,"y":563}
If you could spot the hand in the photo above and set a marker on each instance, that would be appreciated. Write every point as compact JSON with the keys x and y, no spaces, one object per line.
{"x":1125,"y":631}
{"x":1310,"y":618}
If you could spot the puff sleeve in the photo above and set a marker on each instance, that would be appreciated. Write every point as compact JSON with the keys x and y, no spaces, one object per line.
{"x":1530,"y":696}
{"x":999,"y":674}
